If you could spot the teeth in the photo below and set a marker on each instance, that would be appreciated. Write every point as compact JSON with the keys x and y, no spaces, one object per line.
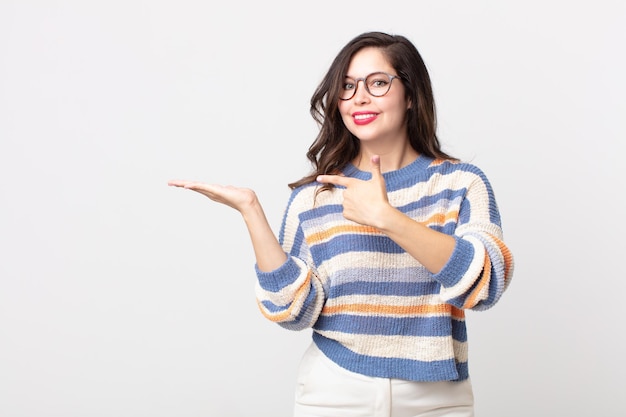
{"x":364,"y":116}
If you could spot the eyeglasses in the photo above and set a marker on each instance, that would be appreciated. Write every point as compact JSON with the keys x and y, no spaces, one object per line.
{"x":376,"y":84}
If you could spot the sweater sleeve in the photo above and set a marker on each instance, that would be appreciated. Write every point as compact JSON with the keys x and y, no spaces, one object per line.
{"x":481,"y":265}
{"x":293,"y":294}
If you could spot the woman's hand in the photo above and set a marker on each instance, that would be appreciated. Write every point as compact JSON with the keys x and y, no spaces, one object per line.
{"x":269,"y":254}
{"x":238,"y":198}
{"x":364,"y":202}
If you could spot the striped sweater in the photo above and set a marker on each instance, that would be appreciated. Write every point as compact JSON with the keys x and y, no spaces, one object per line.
{"x":373,"y":308}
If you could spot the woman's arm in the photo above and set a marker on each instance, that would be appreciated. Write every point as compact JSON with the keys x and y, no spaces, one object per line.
{"x":366,"y":202}
{"x":474,"y":266}
{"x":288,"y":290}
{"x":268,"y":252}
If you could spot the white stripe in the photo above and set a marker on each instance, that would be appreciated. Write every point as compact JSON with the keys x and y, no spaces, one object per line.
{"x":285,"y":295}
{"x":404,"y":347}
{"x":383,"y":261}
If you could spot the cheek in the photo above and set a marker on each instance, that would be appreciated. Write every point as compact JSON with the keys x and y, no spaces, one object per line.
{"x":342,"y":106}
{"x":344,"y":112}
{"x":400,"y":108}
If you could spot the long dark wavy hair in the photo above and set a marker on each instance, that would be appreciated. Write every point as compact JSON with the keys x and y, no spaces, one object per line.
{"x":335,"y":146}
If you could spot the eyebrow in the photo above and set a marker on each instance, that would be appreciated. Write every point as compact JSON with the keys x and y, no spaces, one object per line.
{"x":368,"y":74}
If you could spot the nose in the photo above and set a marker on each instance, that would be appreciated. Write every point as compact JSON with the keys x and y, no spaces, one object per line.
{"x":361,"y":95}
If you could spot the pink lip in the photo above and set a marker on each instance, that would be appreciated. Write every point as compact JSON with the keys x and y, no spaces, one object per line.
{"x":363,"y":118}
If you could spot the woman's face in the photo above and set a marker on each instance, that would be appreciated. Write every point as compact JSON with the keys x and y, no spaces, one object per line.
{"x":370,"y":118}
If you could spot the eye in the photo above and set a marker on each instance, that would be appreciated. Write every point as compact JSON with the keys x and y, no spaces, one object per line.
{"x":348,"y":85}
{"x":378,"y":81}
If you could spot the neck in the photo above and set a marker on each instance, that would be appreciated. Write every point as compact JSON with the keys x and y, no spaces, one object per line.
{"x":390,"y":159}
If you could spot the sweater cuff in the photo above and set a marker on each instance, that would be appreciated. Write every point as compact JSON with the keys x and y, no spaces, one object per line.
{"x":282,"y":276}
{"x":457,"y":265}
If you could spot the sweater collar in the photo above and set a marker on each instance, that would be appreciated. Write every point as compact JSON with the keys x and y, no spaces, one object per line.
{"x":414,"y":168}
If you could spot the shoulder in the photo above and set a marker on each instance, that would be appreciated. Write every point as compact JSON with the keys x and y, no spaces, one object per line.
{"x":447,"y":166}
{"x":303,"y":192}
{"x":303,"y":197}
{"x":456,"y":170}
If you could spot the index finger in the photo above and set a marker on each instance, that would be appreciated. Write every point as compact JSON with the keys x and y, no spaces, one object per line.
{"x":334,"y":179}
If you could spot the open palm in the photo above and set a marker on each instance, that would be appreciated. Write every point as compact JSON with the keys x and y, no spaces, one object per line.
{"x":235,"y":197}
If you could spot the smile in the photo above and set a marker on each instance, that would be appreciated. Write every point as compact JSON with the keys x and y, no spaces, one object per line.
{"x":364,"y":118}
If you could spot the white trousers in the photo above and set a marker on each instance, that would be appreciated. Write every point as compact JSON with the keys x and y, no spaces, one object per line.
{"x":324,"y":389}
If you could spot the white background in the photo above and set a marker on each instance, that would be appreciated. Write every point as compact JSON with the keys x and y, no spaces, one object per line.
{"x":121,"y":296}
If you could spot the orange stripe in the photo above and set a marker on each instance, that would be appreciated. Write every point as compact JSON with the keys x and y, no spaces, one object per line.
{"x":457,"y":313}
{"x":437,"y":162}
{"x":281,"y":316}
{"x":506,"y":254}
{"x":325,"y":235}
{"x":440,"y":218}
{"x":472,"y":299}
{"x":508,"y":263}
{"x":337,"y":230}
{"x":385,"y":309}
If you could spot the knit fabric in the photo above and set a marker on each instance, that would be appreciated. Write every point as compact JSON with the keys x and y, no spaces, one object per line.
{"x":373,"y":308}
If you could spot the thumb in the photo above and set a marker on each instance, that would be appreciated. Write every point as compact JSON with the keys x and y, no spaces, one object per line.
{"x":377,"y":176}
{"x":375,"y":164}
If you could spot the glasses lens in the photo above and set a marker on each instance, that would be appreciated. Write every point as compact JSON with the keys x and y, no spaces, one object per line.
{"x":348,"y":88}
{"x":378,"y":84}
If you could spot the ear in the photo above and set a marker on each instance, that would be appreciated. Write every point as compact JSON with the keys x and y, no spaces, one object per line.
{"x":409,"y":104}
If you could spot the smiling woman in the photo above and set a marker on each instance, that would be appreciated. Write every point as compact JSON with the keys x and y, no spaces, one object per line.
{"x":382,"y":247}
{"x":120,"y":296}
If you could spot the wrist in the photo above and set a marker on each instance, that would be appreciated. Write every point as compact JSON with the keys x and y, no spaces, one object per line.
{"x":385,"y":217}
{"x":252,"y":210}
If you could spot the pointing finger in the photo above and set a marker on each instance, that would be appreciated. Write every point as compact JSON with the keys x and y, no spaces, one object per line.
{"x":334,"y":179}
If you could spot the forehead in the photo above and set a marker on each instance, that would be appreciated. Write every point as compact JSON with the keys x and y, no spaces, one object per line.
{"x":368,"y":60}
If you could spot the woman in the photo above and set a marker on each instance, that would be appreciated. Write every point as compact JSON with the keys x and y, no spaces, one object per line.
{"x":382,"y":247}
